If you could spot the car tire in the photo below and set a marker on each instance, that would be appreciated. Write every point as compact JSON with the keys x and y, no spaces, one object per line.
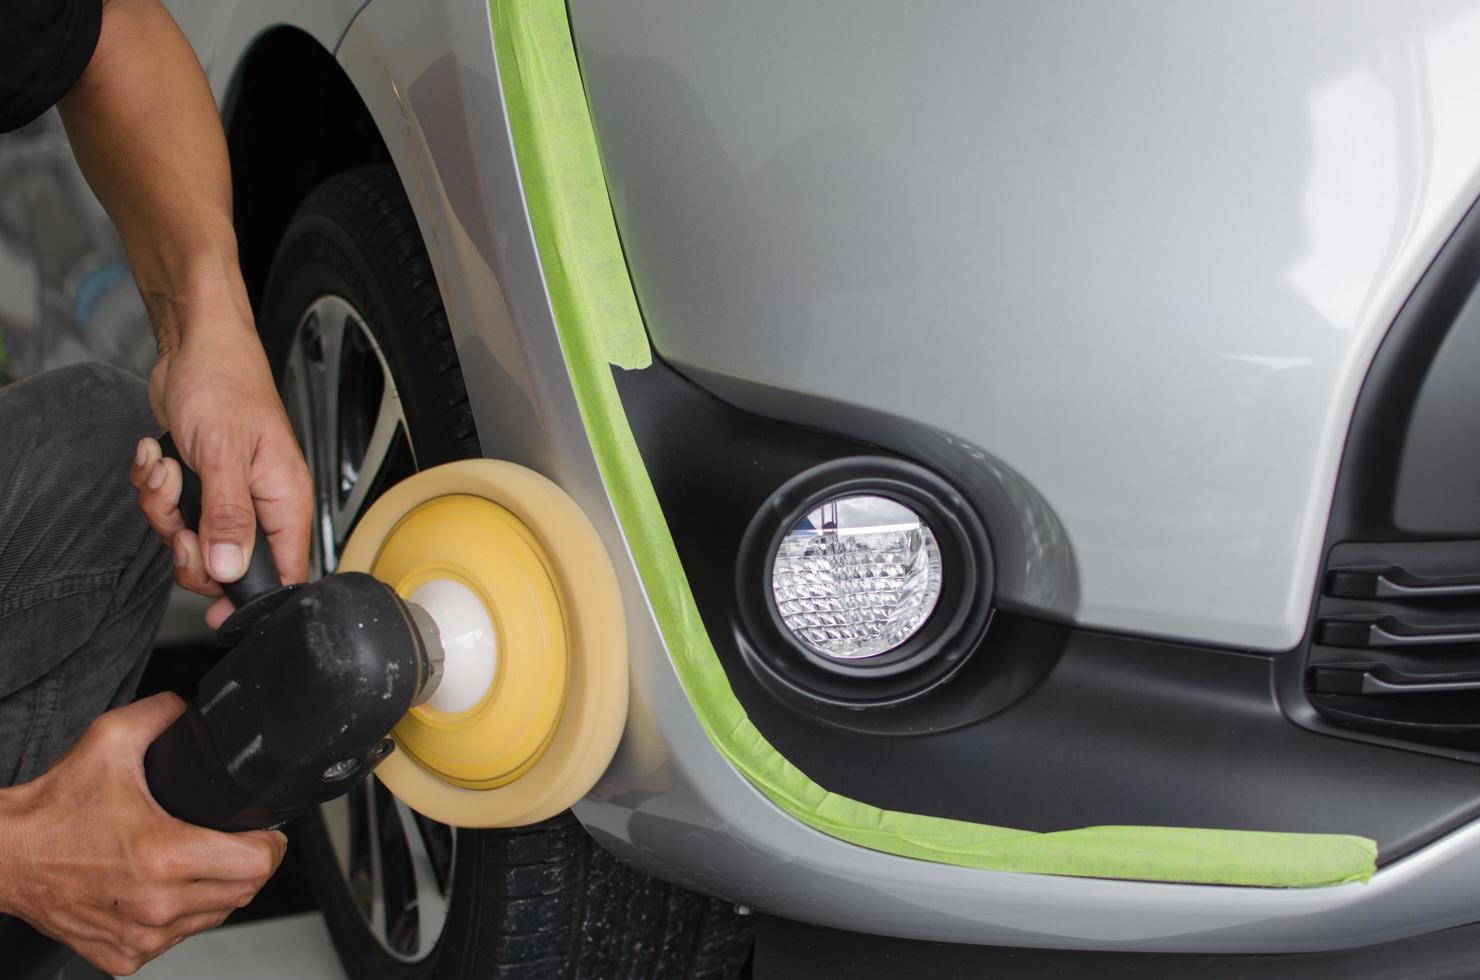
{"x":536,"y":902}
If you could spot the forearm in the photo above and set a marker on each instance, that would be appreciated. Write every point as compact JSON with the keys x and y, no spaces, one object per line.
{"x":145,"y":130}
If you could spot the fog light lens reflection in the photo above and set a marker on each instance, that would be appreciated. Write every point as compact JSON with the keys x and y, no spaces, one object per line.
{"x":856,"y":577}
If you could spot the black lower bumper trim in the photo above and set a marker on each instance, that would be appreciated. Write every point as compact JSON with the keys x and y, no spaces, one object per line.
{"x":787,"y":950}
{"x":1044,"y":727}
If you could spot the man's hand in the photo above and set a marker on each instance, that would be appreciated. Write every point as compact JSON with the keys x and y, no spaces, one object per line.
{"x":88,"y":857}
{"x":216,"y":397}
{"x":143,"y":124}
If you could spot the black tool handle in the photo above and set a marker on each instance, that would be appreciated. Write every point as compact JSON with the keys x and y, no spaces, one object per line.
{"x":262,"y":575}
{"x":296,"y":712}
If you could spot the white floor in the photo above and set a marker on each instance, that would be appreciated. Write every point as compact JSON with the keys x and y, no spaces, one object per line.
{"x":295,"y":946}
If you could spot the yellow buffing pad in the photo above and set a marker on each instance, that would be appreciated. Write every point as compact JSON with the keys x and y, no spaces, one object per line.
{"x":547,"y":726}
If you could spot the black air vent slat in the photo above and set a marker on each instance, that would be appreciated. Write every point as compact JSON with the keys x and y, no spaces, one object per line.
{"x":1390,"y":633}
{"x":1397,"y":584}
{"x":1380,"y":681}
{"x":1397,"y":640}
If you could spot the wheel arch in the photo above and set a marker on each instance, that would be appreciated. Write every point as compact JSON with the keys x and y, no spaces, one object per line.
{"x":293,"y":118}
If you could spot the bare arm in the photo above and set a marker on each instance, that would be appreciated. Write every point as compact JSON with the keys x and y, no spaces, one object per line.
{"x":86,"y":855}
{"x":143,"y":124}
{"x":144,"y":127}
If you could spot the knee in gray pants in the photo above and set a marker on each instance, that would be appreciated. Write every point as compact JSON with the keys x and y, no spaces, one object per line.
{"x":83,"y":580}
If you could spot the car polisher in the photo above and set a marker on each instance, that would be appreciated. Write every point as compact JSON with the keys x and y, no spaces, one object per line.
{"x":474,"y":623}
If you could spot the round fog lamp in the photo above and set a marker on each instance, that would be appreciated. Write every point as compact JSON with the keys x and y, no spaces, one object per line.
{"x":856,"y":576}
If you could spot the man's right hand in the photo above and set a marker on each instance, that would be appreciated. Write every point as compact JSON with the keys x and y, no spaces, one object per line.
{"x":88,"y":857}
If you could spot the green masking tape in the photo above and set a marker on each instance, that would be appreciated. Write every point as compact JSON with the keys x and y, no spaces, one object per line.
{"x":597,"y":318}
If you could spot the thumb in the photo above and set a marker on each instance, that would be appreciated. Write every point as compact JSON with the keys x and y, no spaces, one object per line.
{"x":275,"y":840}
{"x":227,"y":519}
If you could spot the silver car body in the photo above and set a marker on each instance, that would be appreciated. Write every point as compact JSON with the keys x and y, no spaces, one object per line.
{"x":1126,"y":265}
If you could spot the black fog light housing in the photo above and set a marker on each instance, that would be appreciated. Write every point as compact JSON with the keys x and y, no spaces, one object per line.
{"x":864,"y":581}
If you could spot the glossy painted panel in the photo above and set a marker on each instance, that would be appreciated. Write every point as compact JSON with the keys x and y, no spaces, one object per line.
{"x":670,"y":803}
{"x":1138,"y":255}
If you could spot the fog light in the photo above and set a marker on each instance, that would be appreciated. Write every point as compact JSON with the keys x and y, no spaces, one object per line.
{"x":856,"y":576}
{"x":861,"y":582}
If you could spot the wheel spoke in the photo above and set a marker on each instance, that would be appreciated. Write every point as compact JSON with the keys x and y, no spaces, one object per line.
{"x":384,"y":434}
{"x":430,"y":905}
{"x":298,"y":397}
{"x":329,"y":321}
{"x":324,"y":330}
{"x":377,"y":859}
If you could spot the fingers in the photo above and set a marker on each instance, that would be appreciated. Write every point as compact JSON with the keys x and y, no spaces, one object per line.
{"x":150,"y":944}
{"x":146,"y":454}
{"x":190,"y":566}
{"x":289,"y":551}
{"x":219,"y":612}
{"x":278,"y":489}
{"x":185,"y":907}
{"x":183,"y":929}
{"x":215,"y":898}
{"x":125,"y":955}
{"x":227,"y":517}
{"x":194,"y":853}
{"x":284,"y":495}
{"x":159,"y":481}
{"x":194,"y":878}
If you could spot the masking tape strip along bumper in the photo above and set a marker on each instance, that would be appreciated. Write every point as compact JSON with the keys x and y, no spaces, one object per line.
{"x":597,"y":318}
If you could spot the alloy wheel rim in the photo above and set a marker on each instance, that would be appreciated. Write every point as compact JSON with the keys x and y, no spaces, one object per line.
{"x":346,"y":410}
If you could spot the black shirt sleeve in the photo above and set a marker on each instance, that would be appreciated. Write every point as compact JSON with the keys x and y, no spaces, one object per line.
{"x":44,"y":46}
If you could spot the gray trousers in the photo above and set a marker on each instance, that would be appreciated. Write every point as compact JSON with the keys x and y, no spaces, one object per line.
{"x":83,"y":580}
